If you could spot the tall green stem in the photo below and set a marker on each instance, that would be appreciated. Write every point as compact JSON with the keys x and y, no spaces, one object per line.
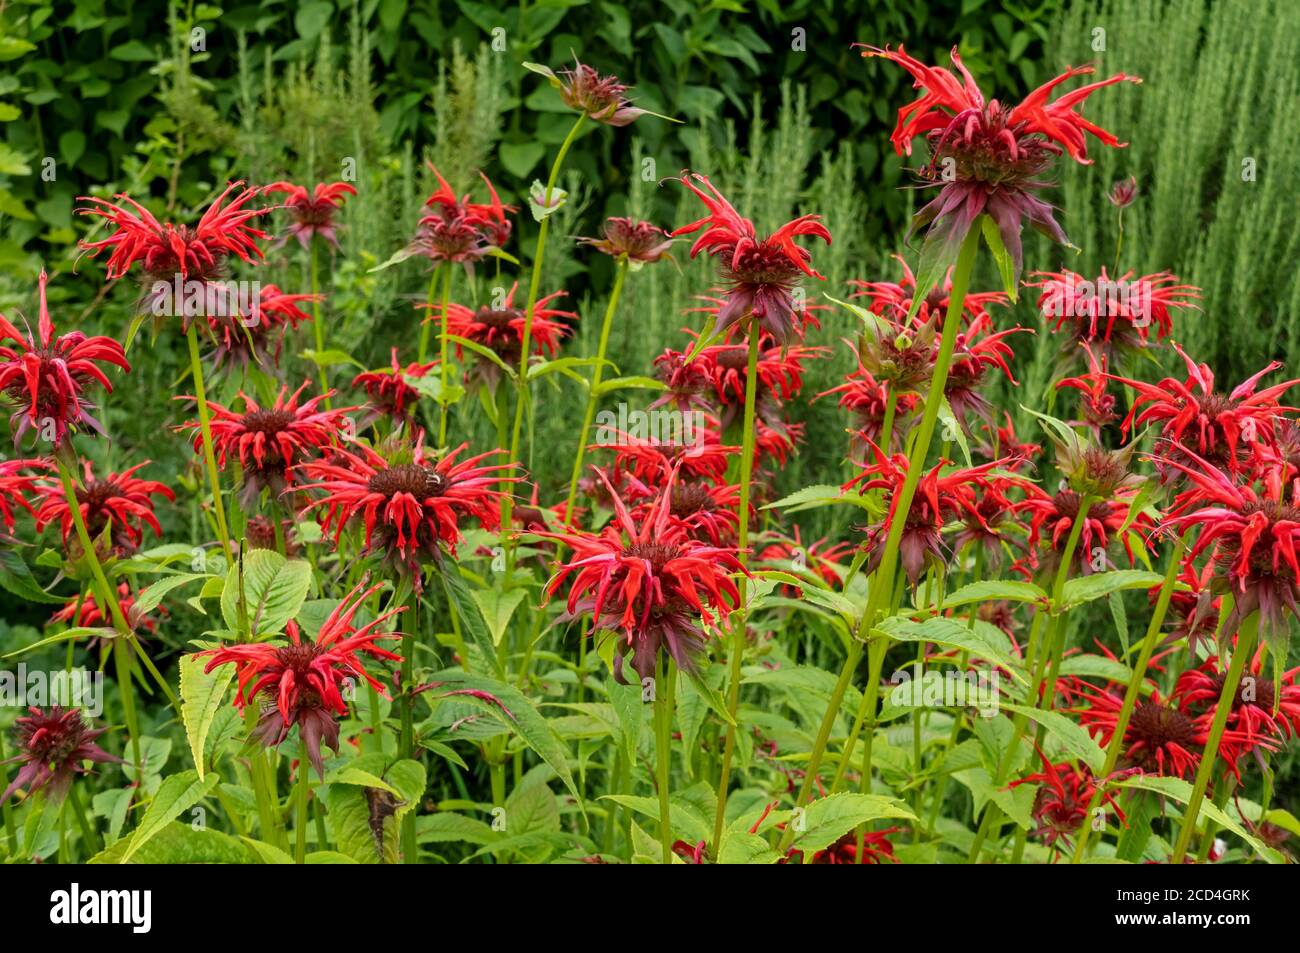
{"x":534,"y":284}
{"x":317,"y":329}
{"x":665,"y":685}
{"x":304,"y":795}
{"x":593,"y":396}
{"x":740,"y":616}
{"x":1210,"y":757}
{"x":205,"y":425}
{"x":444,"y":405}
{"x":884,"y":583}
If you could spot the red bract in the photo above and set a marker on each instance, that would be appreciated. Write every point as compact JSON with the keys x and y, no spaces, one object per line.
{"x":1160,"y":739}
{"x":1251,"y":536}
{"x":940,"y":498}
{"x":1262,"y":718}
{"x":685,"y":384}
{"x":301,"y":681}
{"x":986,"y":158}
{"x":120,"y":504}
{"x":313,"y":210}
{"x":165,"y":250}
{"x":1123,"y":192}
{"x":651,"y":581}
{"x":410,"y":506}
{"x":1061,"y":804}
{"x":270,"y":441}
{"x":761,"y":276}
{"x":390,"y":395}
{"x":1114,"y":315}
{"x":639,"y":242}
{"x":16,"y":485}
{"x":894,"y":299}
{"x":52,"y":743}
{"x":48,"y":376}
{"x":1193,"y":415}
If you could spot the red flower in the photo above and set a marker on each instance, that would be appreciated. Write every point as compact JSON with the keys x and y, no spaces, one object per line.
{"x":986,"y":158}
{"x":16,"y":485}
{"x":458,"y":230}
{"x":301,"y":680}
{"x":1123,"y":192}
{"x":1194,"y":415}
{"x":166,"y":250}
{"x":1007,"y":446}
{"x":876,"y":849}
{"x":1061,"y":804}
{"x":239,"y":341}
{"x":390,"y":395}
{"x":685,"y":384}
{"x":939,"y":499}
{"x":699,"y":454}
{"x":1052,"y":516}
{"x":409,"y":505}
{"x":120,"y":504}
{"x":973,"y":356}
{"x":53,"y":743}
{"x":820,"y":558}
{"x":1250,"y":535}
{"x":761,"y":276}
{"x":270,"y":441}
{"x":1097,"y":403}
{"x":708,"y":511}
{"x":780,"y":375}
{"x":1261,"y":719}
{"x":639,"y":242}
{"x":867,"y":399}
{"x":894,"y":300}
{"x":86,"y":612}
{"x":48,"y":377}
{"x":1160,"y":738}
{"x":313,"y":211}
{"x":600,"y":97}
{"x":500,"y":329}
{"x":650,"y":580}
{"x":1114,"y":315}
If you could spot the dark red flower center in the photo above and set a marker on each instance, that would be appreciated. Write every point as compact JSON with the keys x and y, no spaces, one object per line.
{"x":413,"y":479}
{"x":657,"y":554}
{"x":268,"y":420}
{"x":1159,"y":726}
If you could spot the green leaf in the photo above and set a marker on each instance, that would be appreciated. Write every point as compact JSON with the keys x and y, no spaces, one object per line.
{"x":497,"y":607}
{"x":176,"y":794}
{"x":538,"y":203}
{"x":1006,"y":264}
{"x":520,"y":158}
{"x":332,"y":358}
{"x":826,"y":820}
{"x":820,"y":494}
{"x":458,"y":594}
{"x":18,"y":579}
{"x":628,"y":383}
{"x":1074,"y":739}
{"x":450,"y":827}
{"x":952,"y":634}
{"x":991,"y":590}
{"x":177,"y":843}
{"x":201,"y":696}
{"x":152,"y":596}
{"x":1083,"y":589}
{"x":274,"y":590}
{"x":1181,"y":791}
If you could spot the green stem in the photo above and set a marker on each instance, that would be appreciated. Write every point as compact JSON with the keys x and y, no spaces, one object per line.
{"x":740,"y":616}
{"x":1131,"y":693}
{"x":665,"y":678}
{"x":304,"y":795}
{"x":1209,"y":758}
{"x":424,"y":326}
{"x":205,"y":425}
{"x":916,"y":462}
{"x":593,"y":398}
{"x":318,"y":330}
{"x":526,"y":342}
{"x":88,"y":837}
{"x":444,"y":405}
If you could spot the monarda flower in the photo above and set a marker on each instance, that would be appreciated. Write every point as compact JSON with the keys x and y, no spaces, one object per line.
{"x":458,"y":230}
{"x":1097,"y":404}
{"x":313,"y":210}
{"x":876,"y":849}
{"x":940,"y":498}
{"x":985,"y":158}
{"x":1192,"y":414}
{"x":120,"y":504}
{"x":165,"y":250}
{"x":1123,"y":192}
{"x":299,"y":683}
{"x":1160,"y":738}
{"x":1062,"y":800}
{"x":760,"y":276}
{"x":819,"y":558}
{"x":895,"y":299}
{"x":1052,"y":516}
{"x":650,"y":581}
{"x":639,"y":242}
{"x":973,"y":356}
{"x":16,"y":486}
{"x":47,"y":377}
{"x":685,"y":383}
{"x":270,"y":441}
{"x":52,"y":744}
{"x":500,"y":329}
{"x":698,"y":455}
{"x":408,"y":504}
{"x":390,"y":395}
{"x":600,"y":98}
{"x":780,"y":376}
{"x":867,"y":400}
{"x":707,"y":510}
{"x":1251,"y":536}
{"x":1264,"y":715}
{"x":1114,"y":316}
{"x":258,"y":338}
{"x":84,"y":611}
